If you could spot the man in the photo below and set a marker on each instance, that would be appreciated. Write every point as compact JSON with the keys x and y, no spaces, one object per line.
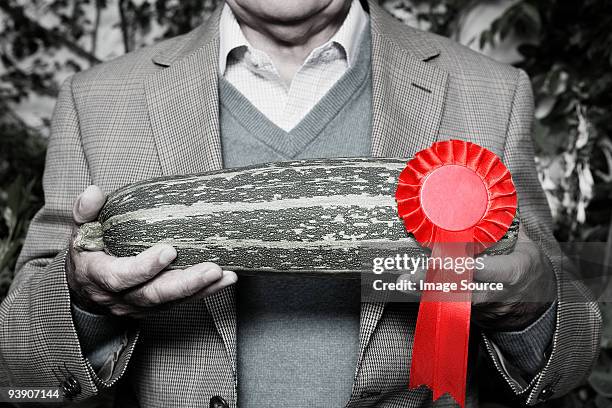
{"x":266,"y":81}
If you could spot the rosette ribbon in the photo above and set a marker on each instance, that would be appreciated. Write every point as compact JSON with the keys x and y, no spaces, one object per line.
{"x":456,"y":198}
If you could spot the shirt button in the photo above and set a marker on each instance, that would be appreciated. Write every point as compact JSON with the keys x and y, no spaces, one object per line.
{"x":218,"y":402}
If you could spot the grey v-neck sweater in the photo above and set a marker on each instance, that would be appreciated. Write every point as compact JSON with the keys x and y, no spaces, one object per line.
{"x":297,"y":337}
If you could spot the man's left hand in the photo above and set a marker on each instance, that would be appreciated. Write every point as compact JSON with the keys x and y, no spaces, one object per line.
{"x":529,"y":288}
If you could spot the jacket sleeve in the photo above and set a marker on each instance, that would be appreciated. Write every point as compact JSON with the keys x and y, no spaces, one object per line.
{"x":576,"y":337}
{"x":39,"y":346}
{"x":527,"y":348}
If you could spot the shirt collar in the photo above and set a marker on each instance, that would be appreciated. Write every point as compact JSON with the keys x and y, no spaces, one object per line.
{"x":347,"y":36}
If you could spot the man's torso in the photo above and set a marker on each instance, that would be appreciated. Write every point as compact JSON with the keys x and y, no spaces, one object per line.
{"x":140,"y":119}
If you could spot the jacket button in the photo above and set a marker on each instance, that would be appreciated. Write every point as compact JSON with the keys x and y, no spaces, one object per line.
{"x":69,"y":384}
{"x":546,"y":393}
{"x":218,"y":402}
{"x":71,"y":387}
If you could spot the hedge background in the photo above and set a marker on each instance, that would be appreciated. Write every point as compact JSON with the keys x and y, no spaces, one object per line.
{"x":566,"y":48}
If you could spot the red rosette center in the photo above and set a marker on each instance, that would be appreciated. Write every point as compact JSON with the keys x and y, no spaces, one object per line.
{"x":467,"y":197}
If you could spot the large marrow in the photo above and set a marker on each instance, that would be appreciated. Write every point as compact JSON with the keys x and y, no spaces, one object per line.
{"x":307,"y":216}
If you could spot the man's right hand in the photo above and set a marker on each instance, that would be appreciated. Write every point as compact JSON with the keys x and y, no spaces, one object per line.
{"x":133,"y":286}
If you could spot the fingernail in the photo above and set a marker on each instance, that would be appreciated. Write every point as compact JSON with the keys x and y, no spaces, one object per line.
{"x":80,"y":203}
{"x":85,"y":193}
{"x":233,"y":278}
{"x":167,"y":256}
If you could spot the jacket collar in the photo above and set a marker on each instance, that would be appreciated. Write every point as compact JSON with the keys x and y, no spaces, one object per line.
{"x":183,"y":102}
{"x":186,"y":45}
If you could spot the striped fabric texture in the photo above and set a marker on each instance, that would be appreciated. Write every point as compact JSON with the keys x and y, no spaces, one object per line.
{"x":155,"y":112}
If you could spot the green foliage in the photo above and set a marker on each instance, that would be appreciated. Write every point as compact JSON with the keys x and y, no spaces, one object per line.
{"x":21,"y":164}
{"x":569,"y":59}
{"x":439,"y":16}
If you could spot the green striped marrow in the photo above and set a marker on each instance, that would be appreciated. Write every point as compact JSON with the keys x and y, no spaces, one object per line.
{"x":306,"y":216}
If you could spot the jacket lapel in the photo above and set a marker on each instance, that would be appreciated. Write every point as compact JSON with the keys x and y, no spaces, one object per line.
{"x":183,"y":102}
{"x":408,"y":90}
{"x":183,"y":108}
{"x":408,"y":95}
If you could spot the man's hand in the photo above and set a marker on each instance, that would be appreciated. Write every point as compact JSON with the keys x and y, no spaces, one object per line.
{"x":529,"y":288}
{"x":134,"y":286}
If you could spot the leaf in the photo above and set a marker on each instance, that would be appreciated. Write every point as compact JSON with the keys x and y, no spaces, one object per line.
{"x":533,"y":16}
{"x":504,"y":31}
{"x":585,"y":181}
{"x":545,"y":106}
{"x":484,"y":39}
{"x":9,"y":219}
{"x":9,"y":250}
{"x":558,"y":82}
{"x":583,"y":129}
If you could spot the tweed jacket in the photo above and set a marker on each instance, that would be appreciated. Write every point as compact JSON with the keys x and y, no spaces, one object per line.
{"x":155,"y":112}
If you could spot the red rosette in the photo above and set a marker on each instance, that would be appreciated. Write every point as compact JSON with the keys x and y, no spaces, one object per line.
{"x":453,"y":192}
{"x":501,"y":199}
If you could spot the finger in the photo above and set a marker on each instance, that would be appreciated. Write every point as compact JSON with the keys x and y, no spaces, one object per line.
{"x":489,"y":314}
{"x":511,"y":267}
{"x":505,"y":269}
{"x":228,"y":279}
{"x":175,"y":285}
{"x":489,"y":296}
{"x":415,"y":277}
{"x":88,"y":204}
{"x":125,"y":310}
{"x":137,"y":312}
{"x":118,"y":274}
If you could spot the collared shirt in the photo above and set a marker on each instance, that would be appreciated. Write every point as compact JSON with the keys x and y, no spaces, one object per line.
{"x":253,"y":73}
